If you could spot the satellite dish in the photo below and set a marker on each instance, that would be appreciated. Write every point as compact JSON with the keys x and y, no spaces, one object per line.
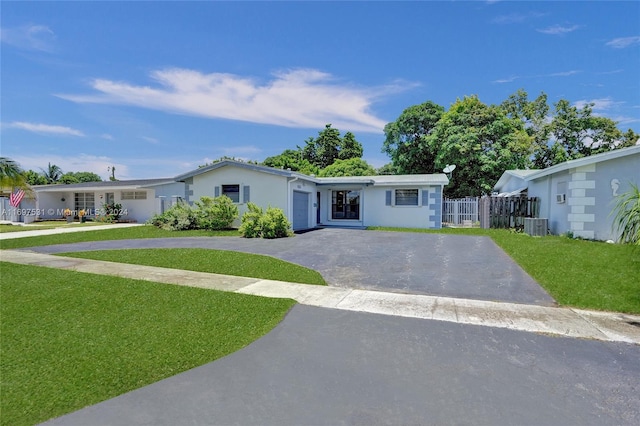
{"x":449,"y":168}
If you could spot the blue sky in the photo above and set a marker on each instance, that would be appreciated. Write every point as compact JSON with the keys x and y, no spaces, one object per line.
{"x":157,"y":88}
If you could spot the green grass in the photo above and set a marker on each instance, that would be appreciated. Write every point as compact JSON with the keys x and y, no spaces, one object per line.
{"x":38,"y":226}
{"x":578,"y":273}
{"x":19,"y":228}
{"x":71,"y":339}
{"x":212,"y":261}
{"x":134,"y":232}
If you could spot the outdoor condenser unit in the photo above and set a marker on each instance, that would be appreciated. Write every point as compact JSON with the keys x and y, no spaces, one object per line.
{"x":535,"y":227}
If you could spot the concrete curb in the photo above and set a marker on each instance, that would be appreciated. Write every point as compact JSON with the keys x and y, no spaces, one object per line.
{"x":567,"y":322}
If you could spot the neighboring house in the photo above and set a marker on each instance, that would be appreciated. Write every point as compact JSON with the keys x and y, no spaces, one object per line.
{"x":578,"y":196}
{"x":140,"y":199}
{"x":309,"y":201}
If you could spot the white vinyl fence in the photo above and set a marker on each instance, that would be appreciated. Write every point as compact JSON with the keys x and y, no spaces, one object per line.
{"x":460,"y":211}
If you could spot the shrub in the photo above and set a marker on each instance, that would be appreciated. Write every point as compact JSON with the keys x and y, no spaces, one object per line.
{"x":270,"y":224}
{"x":216,"y":213}
{"x":179,"y":217}
{"x":274,"y":224}
{"x":251,"y":227}
{"x":112,"y":211}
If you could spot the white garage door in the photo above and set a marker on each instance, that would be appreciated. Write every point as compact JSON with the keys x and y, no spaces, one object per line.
{"x":300,"y":210}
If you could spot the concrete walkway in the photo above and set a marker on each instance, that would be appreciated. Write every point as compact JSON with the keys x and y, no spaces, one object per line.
{"x":568,"y":322}
{"x":62,"y":230}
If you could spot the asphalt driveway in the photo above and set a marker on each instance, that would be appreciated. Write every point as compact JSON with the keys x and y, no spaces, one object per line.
{"x":434,"y":264}
{"x":327,"y":367}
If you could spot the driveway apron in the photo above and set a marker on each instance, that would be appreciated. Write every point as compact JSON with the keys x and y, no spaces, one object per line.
{"x":326,"y":367}
{"x":435,"y":264}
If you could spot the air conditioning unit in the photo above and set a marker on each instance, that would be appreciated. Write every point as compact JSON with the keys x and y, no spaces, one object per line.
{"x":536,"y":227}
{"x":561,"y":198}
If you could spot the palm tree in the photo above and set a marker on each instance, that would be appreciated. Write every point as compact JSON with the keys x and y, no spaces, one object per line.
{"x":627,"y":216}
{"x":11,"y":176}
{"x":52,"y":174}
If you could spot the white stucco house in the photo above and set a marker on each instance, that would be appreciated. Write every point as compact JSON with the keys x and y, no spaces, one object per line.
{"x":578,"y":196}
{"x":309,"y":201}
{"x":140,"y":199}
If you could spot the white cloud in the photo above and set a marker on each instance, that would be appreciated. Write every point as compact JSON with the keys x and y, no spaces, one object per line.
{"x":600,"y":104}
{"x":520,"y":77}
{"x":106,"y":136}
{"x":562,"y":74}
{"x":558,"y":29}
{"x":622,"y":42}
{"x":305,"y":98}
{"x":45,"y":128}
{"x":29,"y":37}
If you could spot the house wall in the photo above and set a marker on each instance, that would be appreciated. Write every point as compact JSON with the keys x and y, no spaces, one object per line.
{"x":375,"y":212}
{"x":625,"y":170}
{"x":547,"y":189}
{"x":50,"y":205}
{"x":265,"y":189}
{"x":326,"y":200}
{"x":586,"y":213}
{"x":134,"y":210}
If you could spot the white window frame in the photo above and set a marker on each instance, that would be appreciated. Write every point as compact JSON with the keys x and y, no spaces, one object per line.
{"x":222,"y":192}
{"x":395,"y":197}
{"x":133,"y":195}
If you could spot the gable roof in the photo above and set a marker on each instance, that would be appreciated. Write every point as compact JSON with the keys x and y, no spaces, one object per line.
{"x":585,"y":161}
{"x":511,"y":174}
{"x":381,"y":180}
{"x":249,"y":166}
{"x":89,"y":186}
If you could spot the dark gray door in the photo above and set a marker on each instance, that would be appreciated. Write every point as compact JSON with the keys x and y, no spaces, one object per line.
{"x":300,"y":210}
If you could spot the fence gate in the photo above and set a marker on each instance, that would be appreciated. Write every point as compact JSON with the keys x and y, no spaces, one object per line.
{"x":460,"y":211}
{"x":507,"y":212}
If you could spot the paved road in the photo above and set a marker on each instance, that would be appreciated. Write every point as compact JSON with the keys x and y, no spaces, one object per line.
{"x":435,"y":264}
{"x":323,"y":366}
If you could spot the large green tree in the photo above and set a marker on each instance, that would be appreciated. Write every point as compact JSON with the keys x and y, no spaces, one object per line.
{"x":534,"y":115}
{"x":406,"y":139}
{"x":35,"y":178}
{"x":349,"y":167}
{"x":80,"y":177}
{"x":482,"y":141}
{"x":291,"y":159}
{"x":329,"y":146}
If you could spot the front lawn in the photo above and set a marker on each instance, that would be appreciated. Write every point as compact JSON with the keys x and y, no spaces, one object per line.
{"x":212,"y":261}
{"x":578,"y":273}
{"x":71,"y":339}
{"x":134,"y":232}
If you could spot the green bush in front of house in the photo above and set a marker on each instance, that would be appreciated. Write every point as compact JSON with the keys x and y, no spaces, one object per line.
{"x":215,"y":214}
{"x":209,"y":213}
{"x":269,"y":224}
{"x":180,"y":217}
{"x":275,"y":224}
{"x":250,"y":227}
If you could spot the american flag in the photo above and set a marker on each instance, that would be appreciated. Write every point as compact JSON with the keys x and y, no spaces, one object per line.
{"x":16,"y":197}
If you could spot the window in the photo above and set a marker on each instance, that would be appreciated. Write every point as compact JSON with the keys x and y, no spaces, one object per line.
{"x":406,"y":197}
{"x":232,"y":191}
{"x":84,"y":201}
{"x":345,"y":205}
{"x":133,"y":195}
